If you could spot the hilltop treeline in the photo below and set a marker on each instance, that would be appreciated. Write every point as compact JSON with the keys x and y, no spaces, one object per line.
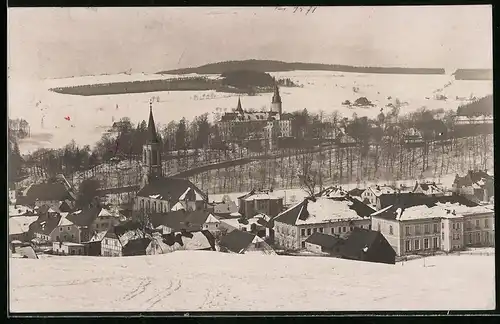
{"x":371,"y":143}
{"x":473,"y":74}
{"x":480,"y":107}
{"x":279,"y":66}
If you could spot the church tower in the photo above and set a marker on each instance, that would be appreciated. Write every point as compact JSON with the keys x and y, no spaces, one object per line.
{"x":238,"y":108}
{"x":276,"y":103}
{"x":151,"y":152}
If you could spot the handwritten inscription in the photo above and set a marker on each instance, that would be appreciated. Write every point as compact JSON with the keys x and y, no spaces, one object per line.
{"x":305,"y":10}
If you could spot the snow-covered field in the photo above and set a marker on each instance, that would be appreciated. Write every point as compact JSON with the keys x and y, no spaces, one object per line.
{"x":213,"y":281}
{"x":322,"y":91}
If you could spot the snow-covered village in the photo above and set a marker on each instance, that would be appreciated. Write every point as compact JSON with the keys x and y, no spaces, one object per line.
{"x":249,"y":184}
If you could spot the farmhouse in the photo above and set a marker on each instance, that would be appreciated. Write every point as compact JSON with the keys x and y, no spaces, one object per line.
{"x":324,"y":244}
{"x":183,"y":220}
{"x":478,"y":185}
{"x":367,"y":245}
{"x":429,"y":189}
{"x":54,"y":227}
{"x":324,"y":215}
{"x":94,"y":219}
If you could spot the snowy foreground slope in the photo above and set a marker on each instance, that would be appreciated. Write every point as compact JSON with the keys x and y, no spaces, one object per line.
{"x":212,"y":281}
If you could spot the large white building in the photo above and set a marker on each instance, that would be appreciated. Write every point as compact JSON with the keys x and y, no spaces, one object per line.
{"x":446,"y":223}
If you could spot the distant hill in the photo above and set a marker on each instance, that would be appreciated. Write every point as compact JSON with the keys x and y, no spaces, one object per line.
{"x":278,"y":66}
{"x":473,"y":74}
{"x":481,"y":107}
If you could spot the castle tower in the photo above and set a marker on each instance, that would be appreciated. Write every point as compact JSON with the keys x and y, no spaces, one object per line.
{"x":151,"y":152}
{"x":276,"y":103}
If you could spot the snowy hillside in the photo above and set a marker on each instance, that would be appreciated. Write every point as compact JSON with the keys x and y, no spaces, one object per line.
{"x":212,"y":281}
{"x":321,"y":91}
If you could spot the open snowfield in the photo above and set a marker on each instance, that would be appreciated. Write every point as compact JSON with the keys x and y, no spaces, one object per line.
{"x":213,"y":281}
{"x":322,"y":91}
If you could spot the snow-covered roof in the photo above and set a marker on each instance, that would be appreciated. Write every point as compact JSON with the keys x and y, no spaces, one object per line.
{"x":422,"y":212}
{"x":263,"y":216}
{"x":98,"y":236}
{"x":23,"y":222}
{"x":263,"y":196}
{"x":14,"y":227}
{"x":211,"y":219}
{"x":104,"y":213}
{"x":464,"y":210}
{"x":325,"y":210}
{"x":178,"y":206}
{"x":380,"y":190}
{"x":64,"y":222}
{"x":333,"y":192}
{"x":235,"y":214}
{"x":18,"y":210}
{"x":197,"y":195}
{"x":157,"y":196}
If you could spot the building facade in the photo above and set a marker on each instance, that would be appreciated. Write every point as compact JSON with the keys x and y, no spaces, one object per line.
{"x":260,"y":202}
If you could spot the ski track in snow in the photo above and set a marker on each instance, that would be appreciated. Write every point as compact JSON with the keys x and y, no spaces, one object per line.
{"x":213,"y":281}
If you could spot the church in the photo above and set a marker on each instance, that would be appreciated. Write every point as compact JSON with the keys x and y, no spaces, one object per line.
{"x":159,"y":194}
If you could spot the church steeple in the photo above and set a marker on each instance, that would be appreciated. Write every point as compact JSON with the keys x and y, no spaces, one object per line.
{"x":238,"y":107}
{"x":276,"y":103}
{"x":276,"y":96}
{"x":152,"y":136}
{"x":151,"y":152}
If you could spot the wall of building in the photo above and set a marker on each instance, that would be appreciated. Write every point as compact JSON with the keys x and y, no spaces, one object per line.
{"x":111,"y":247}
{"x":69,"y":233}
{"x":286,"y":235}
{"x":104,"y":223}
{"x":479,"y":229}
{"x":414,"y":235}
{"x":391,"y":230}
{"x":313,"y":247}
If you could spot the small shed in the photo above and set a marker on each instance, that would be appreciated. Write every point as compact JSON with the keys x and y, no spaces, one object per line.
{"x":324,"y":243}
{"x":68,"y":248}
{"x":368,"y":245}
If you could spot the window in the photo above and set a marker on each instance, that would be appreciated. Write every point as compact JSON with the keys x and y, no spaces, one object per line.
{"x":436,"y":228}
{"x":321,"y":229}
{"x":315,"y":230}
{"x":72,"y":236}
{"x":308,"y":231}
{"x":417,"y":230}
{"x":360,"y":226}
{"x":442,"y":225}
{"x":458,"y":226}
{"x":344,"y":229}
{"x":154,"y":206}
{"x":427,"y":228}
{"x":478,"y":237}
{"x":417,"y":244}
{"x":350,"y":228}
{"x":477,"y":222}
{"x":470,"y":238}
{"x":216,"y":225}
{"x":453,"y":225}
{"x":442,"y":236}
{"x":426,"y":244}
{"x":340,"y":229}
{"x":60,"y":229}
{"x":407,"y":246}
{"x":303,"y":244}
{"x":369,"y":227}
{"x":407,"y":230}
{"x":333,"y":230}
{"x":435,"y":242}
{"x":390,"y":230}
{"x":161,"y":206}
{"x":486,"y":223}
{"x":469,"y":224}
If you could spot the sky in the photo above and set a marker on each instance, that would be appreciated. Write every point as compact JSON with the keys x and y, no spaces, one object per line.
{"x":65,"y":42}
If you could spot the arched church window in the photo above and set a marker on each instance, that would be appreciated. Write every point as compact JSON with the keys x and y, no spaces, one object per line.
{"x":154,"y":206}
{"x":142,"y":204}
{"x":161,"y":207}
{"x":148,"y":205}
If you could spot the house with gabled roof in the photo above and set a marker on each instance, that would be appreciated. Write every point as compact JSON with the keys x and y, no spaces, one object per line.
{"x":478,"y":185}
{"x":428,"y":188}
{"x":48,"y":193}
{"x":54,"y":227}
{"x":244,"y":242}
{"x":324,"y":215}
{"x":371,"y":194}
{"x":94,"y":219}
{"x":182,"y":220}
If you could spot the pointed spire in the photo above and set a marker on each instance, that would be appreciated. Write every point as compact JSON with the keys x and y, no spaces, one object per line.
{"x":152,"y":137}
{"x":276,"y":96}
{"x":238,"y":108}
